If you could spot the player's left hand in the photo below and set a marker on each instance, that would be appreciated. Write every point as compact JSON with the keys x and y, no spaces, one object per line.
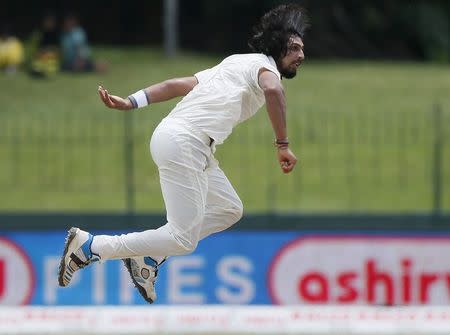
{"x":113,"y":101}
{"x":287,"y":159}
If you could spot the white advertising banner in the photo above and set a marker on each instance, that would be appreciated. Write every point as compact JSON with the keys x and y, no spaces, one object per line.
{"x":225,"y":320}
{"x":362,"y":270}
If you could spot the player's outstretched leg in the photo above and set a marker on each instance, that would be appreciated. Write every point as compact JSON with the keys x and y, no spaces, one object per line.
{"x":77,"y":254}
{"x":143,"y":272}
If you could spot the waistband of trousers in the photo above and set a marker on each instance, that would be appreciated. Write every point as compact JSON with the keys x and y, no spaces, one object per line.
{"x":193,"y":128}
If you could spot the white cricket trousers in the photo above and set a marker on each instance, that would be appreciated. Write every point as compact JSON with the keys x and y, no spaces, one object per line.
{"x":199,"y":198}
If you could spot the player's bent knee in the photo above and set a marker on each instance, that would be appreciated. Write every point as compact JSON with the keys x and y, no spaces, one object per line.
{"x":238,"y":212}
{"x":185,"y":246}
{"x":189,"y":246}
{"x":235,"y":212}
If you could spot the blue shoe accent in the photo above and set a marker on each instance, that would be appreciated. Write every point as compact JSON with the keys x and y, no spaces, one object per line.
{"x":150,"y":261}
{"x":86,"y":248}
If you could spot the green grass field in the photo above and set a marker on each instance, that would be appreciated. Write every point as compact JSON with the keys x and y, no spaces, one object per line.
{"x":364,"y":133}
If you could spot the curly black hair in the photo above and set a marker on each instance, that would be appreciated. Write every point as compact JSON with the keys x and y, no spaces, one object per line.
{"x":271,"y":35}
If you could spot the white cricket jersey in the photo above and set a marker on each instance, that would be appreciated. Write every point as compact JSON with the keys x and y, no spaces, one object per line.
{"x":226,"y":95}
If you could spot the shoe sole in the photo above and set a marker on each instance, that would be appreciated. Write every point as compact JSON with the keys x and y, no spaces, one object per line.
{"x":127,"y":263}
{"x":72,"y":233}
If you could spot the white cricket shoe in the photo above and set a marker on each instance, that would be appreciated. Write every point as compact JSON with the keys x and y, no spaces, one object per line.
{"x":77,"y":254}
{"x":143,"y":272}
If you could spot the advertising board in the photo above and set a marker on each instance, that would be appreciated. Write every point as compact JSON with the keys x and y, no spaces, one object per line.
{"x":238,"y":267}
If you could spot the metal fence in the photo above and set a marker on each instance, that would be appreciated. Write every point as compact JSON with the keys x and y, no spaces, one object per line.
{"x":351,"y":162}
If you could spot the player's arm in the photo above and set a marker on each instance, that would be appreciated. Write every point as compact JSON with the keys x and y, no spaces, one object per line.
{"x":276,"y":108}
{"x":162,"y":91}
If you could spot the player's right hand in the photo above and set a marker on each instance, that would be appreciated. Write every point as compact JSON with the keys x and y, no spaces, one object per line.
{"x":113,"y":101}
{"x":287,"y":159}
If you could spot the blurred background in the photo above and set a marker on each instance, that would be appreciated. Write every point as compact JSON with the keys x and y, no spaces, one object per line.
{"x":362,"y":221}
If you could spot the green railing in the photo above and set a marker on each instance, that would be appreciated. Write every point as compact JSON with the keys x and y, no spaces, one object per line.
{"x":349,"y":162}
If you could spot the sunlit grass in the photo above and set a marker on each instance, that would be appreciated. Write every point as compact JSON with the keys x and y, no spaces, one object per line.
{"x":364,"y":133}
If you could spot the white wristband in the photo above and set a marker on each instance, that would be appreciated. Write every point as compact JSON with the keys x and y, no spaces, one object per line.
{"x":139,"y":99}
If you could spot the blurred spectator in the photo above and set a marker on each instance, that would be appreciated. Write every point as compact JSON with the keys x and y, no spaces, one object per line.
{"x":45,"y":53}
{"x":11,"y":50}
{"x":76,"y":53}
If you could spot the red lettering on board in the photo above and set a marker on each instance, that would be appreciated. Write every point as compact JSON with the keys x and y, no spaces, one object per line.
{"x":2,"y":277}
{"x":313,"y":287}
{"x":346,"y":282}
{"x":374,"y":278}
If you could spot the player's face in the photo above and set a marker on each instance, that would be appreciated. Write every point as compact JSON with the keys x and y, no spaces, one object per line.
{"x":294,"y":57}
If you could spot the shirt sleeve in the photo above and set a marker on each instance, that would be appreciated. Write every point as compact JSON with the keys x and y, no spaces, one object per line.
{"x":256,"y":67}
{"x":204,"y":75}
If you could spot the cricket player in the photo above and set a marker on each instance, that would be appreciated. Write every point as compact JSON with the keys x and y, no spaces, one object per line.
{"x":199,"y":199}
